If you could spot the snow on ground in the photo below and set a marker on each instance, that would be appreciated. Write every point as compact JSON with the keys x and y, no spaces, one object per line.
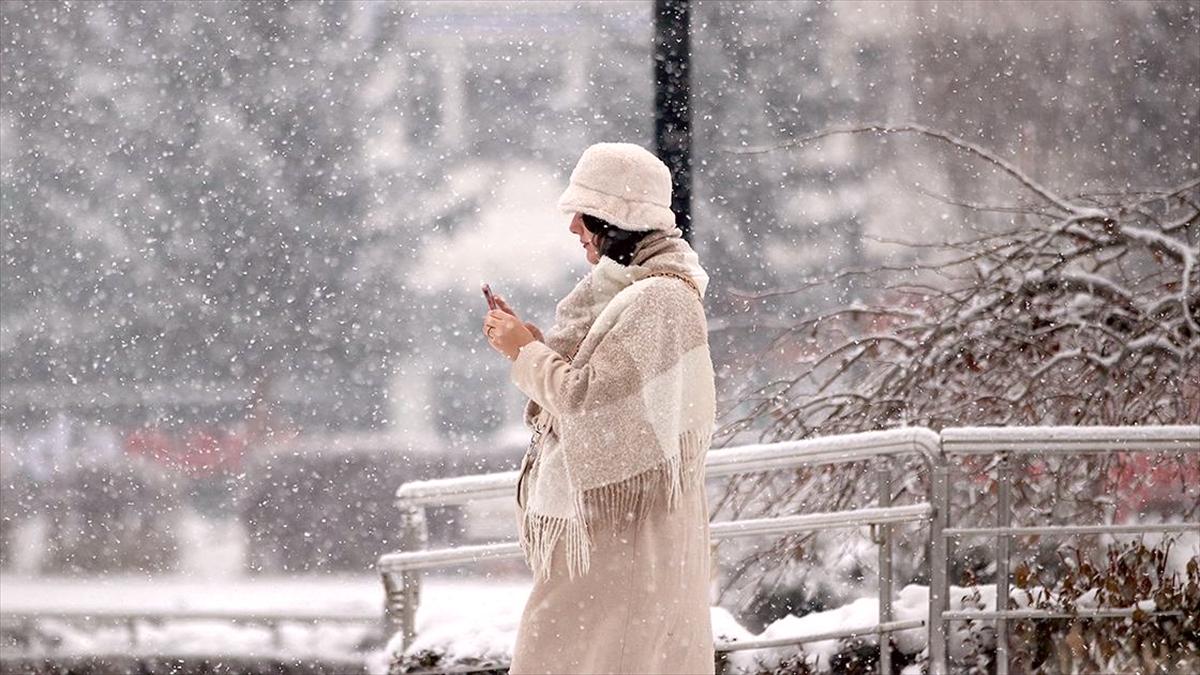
{"x":464,"y":623}
{"x":459,"y":617}
{"x":860,"y":614}
{"x":485,"y":628}
{"x":178,"y":638}
{"x":462,"y":618}
{"x":911,"y":603}
{"x":351,"y":594}
{"x":446,"y":603}
{"x":726,"y":628}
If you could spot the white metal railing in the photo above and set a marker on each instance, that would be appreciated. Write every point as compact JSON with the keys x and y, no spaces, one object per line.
{"x":1005,"y":443}
{"x":765,"y":643}
{"x":402,"y":583}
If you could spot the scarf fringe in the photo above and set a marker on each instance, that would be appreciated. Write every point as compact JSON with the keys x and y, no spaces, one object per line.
{"x":612,"y":507}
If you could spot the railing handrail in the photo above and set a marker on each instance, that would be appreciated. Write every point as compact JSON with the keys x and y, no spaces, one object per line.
{"x":1070,"y":440}
{"x":402,"y":561}
{"x":456,"y":489}
{"x":718,"y":463}
{"x":765,"y":643}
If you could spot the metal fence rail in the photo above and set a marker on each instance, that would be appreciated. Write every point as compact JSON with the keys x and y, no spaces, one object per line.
{"x":1004,"y":443}
{"x":399,"y":570}
{"x":937,"y":452}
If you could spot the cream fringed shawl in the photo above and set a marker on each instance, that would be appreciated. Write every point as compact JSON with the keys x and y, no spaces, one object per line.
{"x":622,"y":397}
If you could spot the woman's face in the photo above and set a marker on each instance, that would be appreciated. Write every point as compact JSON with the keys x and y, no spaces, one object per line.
{"x":585,"y":239}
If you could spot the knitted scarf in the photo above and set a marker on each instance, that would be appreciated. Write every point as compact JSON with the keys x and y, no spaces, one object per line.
{"x":635,"y":413}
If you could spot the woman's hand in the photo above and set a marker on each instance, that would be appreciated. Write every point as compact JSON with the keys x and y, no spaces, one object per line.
{"x":506,"y":333}
{"x":504,"y":306}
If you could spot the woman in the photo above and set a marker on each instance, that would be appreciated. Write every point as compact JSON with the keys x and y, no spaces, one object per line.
{"x":611,"y":504}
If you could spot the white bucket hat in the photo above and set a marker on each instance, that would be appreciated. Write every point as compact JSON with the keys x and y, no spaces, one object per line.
{"x":622,"y":183}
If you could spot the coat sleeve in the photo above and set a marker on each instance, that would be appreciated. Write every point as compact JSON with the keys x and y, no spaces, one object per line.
{"x":542,"y":373}
{"x":612,"y":372}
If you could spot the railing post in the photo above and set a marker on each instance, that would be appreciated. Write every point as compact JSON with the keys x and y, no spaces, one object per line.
{"x":939,"y":560}
{"x":403,"y":591}
{"x":1003,"y":520}
{"x":884,"y":473}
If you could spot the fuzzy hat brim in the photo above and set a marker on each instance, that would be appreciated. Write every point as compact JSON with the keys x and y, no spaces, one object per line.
{"x":624,"y":212}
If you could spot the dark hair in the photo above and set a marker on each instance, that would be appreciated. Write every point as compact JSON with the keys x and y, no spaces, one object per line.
{"x":611,"y":240}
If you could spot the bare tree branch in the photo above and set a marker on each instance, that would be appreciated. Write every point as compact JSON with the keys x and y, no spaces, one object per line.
{"x":987,"y":155}
{"x":1071,"y":314}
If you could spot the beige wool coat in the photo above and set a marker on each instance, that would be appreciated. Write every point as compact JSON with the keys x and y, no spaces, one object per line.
{"x":642,"y":607}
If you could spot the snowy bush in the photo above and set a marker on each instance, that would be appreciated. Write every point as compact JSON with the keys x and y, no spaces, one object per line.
{"x":1151,"y":578}
{"x":1130,"y":575}
{"x":1060,"y":309}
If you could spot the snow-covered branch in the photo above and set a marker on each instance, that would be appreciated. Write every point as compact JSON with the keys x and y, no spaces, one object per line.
{"x":1067,"y":315}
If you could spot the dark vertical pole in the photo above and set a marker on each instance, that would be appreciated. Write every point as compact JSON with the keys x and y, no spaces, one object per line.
{"x":672,"y":103}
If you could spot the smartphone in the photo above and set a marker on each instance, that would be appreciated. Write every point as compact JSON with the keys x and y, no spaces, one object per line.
{"x":487,"y":293}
